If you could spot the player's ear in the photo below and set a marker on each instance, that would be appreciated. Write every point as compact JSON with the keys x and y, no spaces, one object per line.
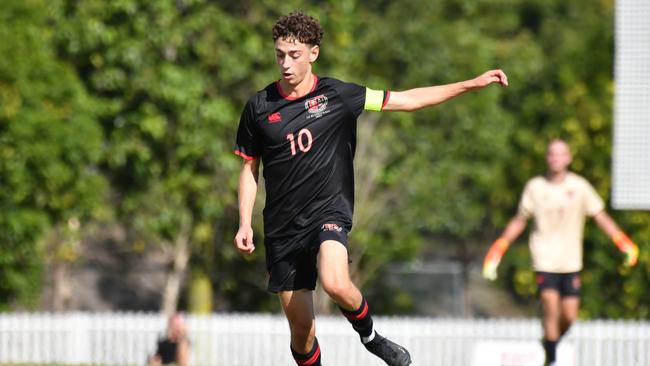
{"x":313,"y":53}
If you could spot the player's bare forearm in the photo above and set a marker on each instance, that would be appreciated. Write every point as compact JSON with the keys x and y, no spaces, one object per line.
{"x":418,"y":98}
{"x":606,"y":224}
{"x":247,"y":190}
{"x":515,"y":227}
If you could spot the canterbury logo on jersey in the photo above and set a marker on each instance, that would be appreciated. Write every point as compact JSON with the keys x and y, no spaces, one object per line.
{"x":275,"y":117}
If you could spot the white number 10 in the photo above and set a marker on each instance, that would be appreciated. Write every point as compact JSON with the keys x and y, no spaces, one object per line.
{"x":301,"y":145}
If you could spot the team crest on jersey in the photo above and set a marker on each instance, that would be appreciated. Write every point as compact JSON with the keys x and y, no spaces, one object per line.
{"x":316,"y":105}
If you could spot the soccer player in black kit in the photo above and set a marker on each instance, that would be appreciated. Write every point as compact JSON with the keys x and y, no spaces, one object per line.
{"x":303,"y":129}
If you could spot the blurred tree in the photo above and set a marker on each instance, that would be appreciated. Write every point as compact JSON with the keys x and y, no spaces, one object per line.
{"x":167,"y":109}
{"x":49,"y":143}
{"x":569,"y":95}
{"x":167,"y":80}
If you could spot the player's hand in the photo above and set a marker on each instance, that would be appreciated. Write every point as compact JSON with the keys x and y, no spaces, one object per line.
{"x":627,"y":246}
{"x":490,"y":269}
{"x":244,"y":239}
{"x":493,"y":258}
{"x":632,"y":256}
{"x":490,"y":77}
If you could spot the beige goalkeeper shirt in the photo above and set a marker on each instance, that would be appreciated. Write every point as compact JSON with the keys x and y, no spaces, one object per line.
{"x":559,"y":211}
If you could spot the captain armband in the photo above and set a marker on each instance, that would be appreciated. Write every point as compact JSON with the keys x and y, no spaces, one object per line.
{"x":376,"y":99}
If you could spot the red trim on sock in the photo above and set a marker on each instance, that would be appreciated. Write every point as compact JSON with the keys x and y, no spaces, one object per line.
{"x":359,"y":316}
{"x":311,"y":360}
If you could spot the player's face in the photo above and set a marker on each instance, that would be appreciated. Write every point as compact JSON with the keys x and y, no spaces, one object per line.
{"x":558,"y":156}
{"x":294,"y":59}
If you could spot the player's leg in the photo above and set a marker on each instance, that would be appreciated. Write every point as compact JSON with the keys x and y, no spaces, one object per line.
{"x":334,"y":275}
{"x":550,"y":299}
{"x":335,"y":279}
{"x":569,"y":313}
{"x":293,"y":278}
{"x":570,"y":301}
{"x":549,"y":295}
{"x":298,"y":307}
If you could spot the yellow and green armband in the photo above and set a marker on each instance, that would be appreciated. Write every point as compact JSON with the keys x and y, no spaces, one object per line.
{"x":375,"y":99}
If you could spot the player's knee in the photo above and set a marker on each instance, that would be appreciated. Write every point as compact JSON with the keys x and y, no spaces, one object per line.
{"x":337,"y":289}
{"x":302,"y":332}
{"x":569,"y":319}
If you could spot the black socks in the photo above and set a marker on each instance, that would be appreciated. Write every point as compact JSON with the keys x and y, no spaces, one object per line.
{"x":549,"y":350}
{"x":310,"y":359}
{"x":361,"y":321}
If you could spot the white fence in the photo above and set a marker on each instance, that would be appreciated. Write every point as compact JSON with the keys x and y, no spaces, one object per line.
{"x":251,"y":340}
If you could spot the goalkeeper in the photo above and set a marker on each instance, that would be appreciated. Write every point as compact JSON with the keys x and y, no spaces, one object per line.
{"x":559,"y":203}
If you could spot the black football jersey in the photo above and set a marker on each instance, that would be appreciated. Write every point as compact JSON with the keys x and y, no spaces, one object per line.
{"x":307,"y":146}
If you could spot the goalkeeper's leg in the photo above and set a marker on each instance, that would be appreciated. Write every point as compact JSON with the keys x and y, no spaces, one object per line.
{"x":550,"y":299}
{"x":569,"y":301}
{"x":569,"y":313}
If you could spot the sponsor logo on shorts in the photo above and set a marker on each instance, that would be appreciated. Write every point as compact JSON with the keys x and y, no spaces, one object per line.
{"x":331,"y":227}
{"x":575,"y":281}
{"x":539,"y":279}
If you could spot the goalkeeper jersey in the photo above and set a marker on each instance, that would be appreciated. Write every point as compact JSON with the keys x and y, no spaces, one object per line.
{"x":559,"y":211}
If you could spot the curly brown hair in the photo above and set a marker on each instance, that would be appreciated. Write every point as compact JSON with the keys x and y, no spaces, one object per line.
{"x":299,"y":26}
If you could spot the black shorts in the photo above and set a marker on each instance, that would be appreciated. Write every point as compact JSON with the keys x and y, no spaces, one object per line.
{"x":567,"y":284}
{"x":297,"y":270}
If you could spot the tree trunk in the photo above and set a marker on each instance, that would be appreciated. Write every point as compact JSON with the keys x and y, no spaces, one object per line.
{"x":59,"y":289}
{"x":60,"y":295}
{"x":180,"y":258}
{"x":465,"y":260}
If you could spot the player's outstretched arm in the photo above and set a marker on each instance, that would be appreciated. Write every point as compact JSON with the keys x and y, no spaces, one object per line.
{"x":418,"y":98}
{"x":622,"y":241}
{"x":247,"y":191}
{"x":493,"y":257}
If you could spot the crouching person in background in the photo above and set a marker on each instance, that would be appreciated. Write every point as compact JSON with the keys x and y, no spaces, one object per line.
{"x":174,"y":348}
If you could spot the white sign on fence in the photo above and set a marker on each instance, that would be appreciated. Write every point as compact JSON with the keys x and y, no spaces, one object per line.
{"x":518,"y":353}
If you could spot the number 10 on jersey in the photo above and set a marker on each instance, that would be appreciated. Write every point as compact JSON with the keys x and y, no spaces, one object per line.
{"x":303,"y":145}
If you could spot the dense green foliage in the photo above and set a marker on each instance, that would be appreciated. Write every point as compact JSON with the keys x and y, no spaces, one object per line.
{"x":126,"y":111}
{"x":49,"y":143}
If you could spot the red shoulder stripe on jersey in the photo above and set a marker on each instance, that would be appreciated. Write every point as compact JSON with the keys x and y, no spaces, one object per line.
{"x":246,"y":157}
{"x":386,"y":98}
{"x":287,"y":97}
